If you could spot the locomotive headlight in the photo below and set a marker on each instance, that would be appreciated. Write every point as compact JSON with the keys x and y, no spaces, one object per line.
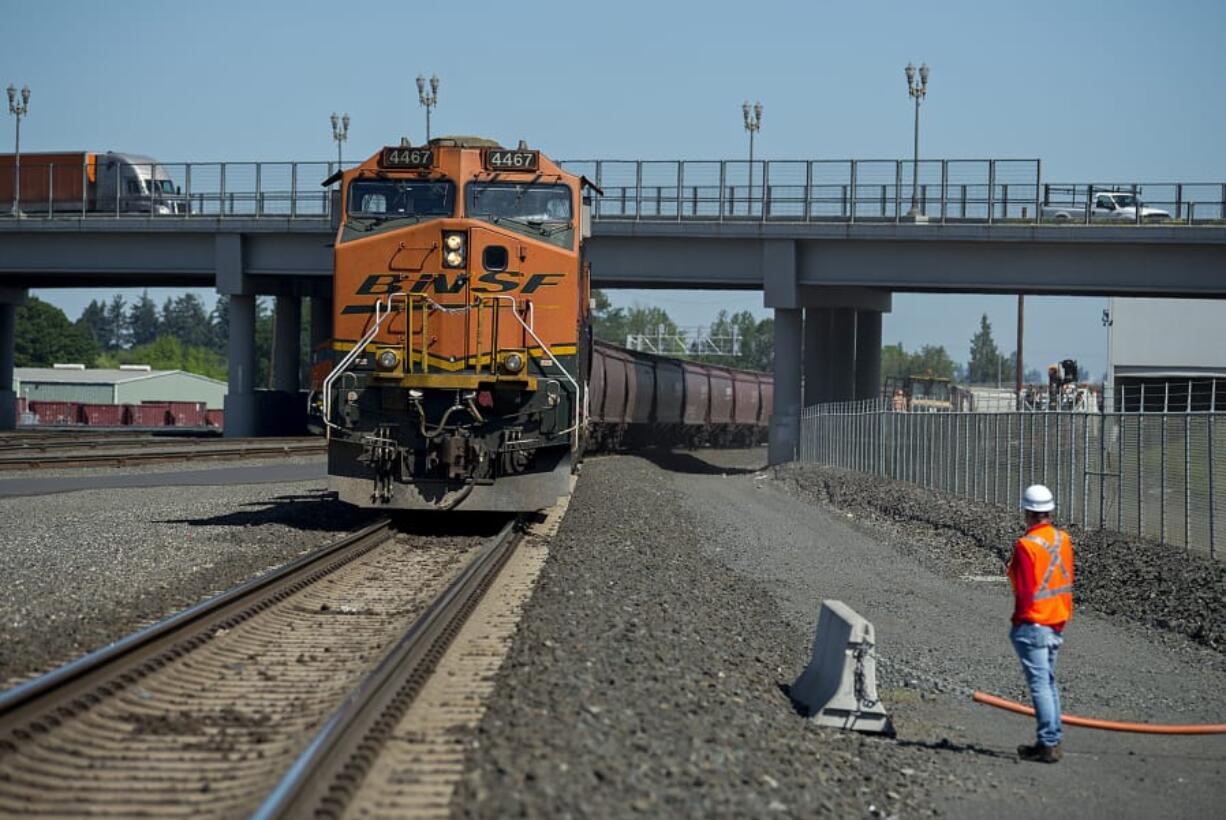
{"x":388,"y":360}
{"x":513,"y":363}
{"x":454,"y":249}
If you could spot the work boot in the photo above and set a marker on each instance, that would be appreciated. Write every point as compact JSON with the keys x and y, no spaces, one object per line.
{"x":1038,"y":753}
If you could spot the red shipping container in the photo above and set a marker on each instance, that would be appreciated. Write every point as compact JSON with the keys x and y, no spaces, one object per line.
{"x":102,"y":415}
{"x":55,"y":412}
{"x":214,"y":418}
{"x":145,"y":415}
{"x":186,"y":413}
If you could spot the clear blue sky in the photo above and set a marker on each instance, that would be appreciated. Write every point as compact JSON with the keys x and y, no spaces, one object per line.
{"x":1098,"y":90}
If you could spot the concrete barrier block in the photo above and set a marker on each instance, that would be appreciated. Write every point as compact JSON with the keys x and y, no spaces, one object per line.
{"x":839,"y":686}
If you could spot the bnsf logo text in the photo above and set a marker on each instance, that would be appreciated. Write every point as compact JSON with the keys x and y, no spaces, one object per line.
{"x":381,"y":284}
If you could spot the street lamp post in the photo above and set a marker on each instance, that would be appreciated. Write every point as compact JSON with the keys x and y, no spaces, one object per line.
{"x":427,"y":101}
{"x":917,"y":90}
{"x":753,"y":124}
{"x":18,"y":110}
{"x":340,"y":133}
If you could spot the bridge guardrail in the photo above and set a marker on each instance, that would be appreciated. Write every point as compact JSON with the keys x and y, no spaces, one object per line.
{"x":838,"y":191}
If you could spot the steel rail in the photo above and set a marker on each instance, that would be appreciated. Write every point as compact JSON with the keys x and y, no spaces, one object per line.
{"x":329,"y":770}
{"x":78,"y":684}
{"x":10,"y":461}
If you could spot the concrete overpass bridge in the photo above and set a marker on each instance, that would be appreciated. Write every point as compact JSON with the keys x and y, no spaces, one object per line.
{"x":827,"y":243}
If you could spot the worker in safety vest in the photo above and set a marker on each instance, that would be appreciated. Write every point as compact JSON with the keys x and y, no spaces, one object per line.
{"x":1041,"y":572}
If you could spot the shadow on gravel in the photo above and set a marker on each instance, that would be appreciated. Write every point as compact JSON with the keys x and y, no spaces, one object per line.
{"x":304,"y":511}
{"x":947,"y":745}
{"x":681,"y":462}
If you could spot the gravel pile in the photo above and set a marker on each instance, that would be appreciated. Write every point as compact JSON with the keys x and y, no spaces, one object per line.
{"x":647,"y":679}
{"x":82,"y":569}
{"x":679,"y":601}
{"x":1158,"y":586}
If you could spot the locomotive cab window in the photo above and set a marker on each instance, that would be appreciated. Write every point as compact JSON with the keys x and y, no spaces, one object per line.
{"x":376,"y":205}
{"x":541,"y":211}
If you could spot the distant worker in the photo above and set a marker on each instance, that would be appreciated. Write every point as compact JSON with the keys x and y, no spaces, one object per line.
{"x":900,"y":401}
{"x":1041,"y":572}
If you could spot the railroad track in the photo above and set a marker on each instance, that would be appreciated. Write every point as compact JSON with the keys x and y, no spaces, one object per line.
{"x":125,"y":451}
{"x":267,"y":698}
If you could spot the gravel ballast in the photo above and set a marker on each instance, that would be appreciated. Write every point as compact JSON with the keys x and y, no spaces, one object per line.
{"x":84,"y":568}
{"x":680,"y":599}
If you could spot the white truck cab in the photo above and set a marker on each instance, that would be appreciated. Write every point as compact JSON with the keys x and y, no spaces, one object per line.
{"x":1104,"y":206}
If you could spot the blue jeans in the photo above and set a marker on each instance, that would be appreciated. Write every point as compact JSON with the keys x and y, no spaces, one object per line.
{"x":1036,"y":647}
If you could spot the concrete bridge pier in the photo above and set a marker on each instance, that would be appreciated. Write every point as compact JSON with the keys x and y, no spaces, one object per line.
{"x":9,"y":299}
{"x":241,"y":407}
{"x":321,"y":323}
{"x":868,"y":354}
{"x":818,"y":386}
{"x":829,"y":334}
{"x":286,"y":344}
{"x":841,"y":357}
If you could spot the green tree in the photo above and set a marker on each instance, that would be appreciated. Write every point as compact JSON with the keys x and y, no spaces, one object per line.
{"x":932,"y":359}
{"x":143,"y":320}
{"x":93,"y":322}
{"x":168,"y":353}
{"x":116,"y":325}
{"x":185,"y":318}
{"x":985,"y":359}
{"x":44,"y":337}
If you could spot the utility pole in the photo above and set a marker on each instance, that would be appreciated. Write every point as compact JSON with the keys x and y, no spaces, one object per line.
{"x":917,"y":90}
{"x":753,"y":124}
{"x":18,"y":110}
{"x":340,"y":133}
{"x":1018,"y":367}
{"x":427,"y":101}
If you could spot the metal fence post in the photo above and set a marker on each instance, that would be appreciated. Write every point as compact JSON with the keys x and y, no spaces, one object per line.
{"x":680,"y":179}
{"x":221,"y":202}
{"x":1102,"y":471}
{"x":1187,"y":469}
{"x":991,"y":190}
{"x":1212,"y":499}
{"x":638,"y":189}
{"x":1038,"y":179}
{"x":50,"y":188}
{"x":117,"y":180}
{"x":944,"y":189}
{"x":852,"y":216}
{"x":897,"y":190}
{"x":1140,"y":472}
{"x":766,"y":175}
{"x":1085,"y":469}
{"x":85,"y":185}
{"x":259,"y":200}
{"x":808,"y":208}
{"x":723,"y":181}
{"x":1166,"y":406}
{"x":187,"y":190}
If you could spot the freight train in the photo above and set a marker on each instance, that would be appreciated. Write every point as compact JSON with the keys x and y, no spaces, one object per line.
{"x":462,"y":373}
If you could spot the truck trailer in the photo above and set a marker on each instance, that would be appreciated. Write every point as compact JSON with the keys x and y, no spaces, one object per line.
{"x":84,"y":182}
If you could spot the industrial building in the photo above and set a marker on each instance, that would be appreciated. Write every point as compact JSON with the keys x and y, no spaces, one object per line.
{"x":130,"y":384}
{"x":1167,"y":346}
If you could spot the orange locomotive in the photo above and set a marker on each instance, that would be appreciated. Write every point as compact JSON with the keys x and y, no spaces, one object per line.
{"x":457,"y":371}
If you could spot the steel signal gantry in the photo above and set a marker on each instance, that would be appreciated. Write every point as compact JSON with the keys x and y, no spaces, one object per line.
{"x":917,"y":90}
{"x":18,"y":110}
{"x":340,"y":133}
{"x":427,"y":101}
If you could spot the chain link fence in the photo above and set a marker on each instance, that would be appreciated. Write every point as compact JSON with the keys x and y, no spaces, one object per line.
{"x":1152,"y":474}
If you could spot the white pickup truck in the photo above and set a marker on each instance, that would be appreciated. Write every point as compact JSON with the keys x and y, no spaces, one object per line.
{"x":1106,"y":206}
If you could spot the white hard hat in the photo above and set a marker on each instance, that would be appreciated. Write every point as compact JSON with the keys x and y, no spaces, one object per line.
{"x":1037,"y":498}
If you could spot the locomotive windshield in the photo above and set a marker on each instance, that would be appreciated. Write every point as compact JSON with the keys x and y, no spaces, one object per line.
{"x":384,"y":204}
{"x":536,"y":210}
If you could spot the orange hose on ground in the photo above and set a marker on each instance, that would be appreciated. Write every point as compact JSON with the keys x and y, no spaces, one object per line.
{"x":1109,"y":725}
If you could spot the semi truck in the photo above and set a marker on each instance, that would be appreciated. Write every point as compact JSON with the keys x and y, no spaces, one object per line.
{"x":1100,"y":205}
{"x":88,"y":182}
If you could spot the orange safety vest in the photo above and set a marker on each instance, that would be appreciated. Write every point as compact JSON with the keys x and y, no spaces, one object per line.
{"x":1041,"y":572}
